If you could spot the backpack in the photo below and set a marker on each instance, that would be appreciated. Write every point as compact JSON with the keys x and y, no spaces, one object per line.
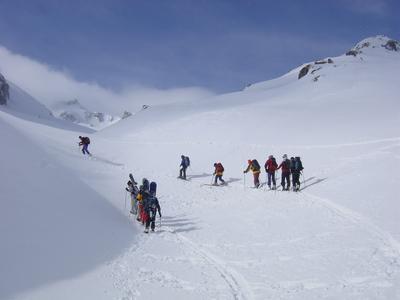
{"x":274,"y":162}
{"x":145,"y":185}
{"x":298,"y":166}
{"x":220,"y":167}
{"x":286,"y":164}
{"x":256,"y":165}
{"x":187,"y":161}
{"x":151,"y":206}
{"x":86,"y":140}
{"x":153,"y":188}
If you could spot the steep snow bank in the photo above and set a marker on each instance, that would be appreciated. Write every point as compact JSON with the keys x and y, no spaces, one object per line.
{"x":53,"y":226}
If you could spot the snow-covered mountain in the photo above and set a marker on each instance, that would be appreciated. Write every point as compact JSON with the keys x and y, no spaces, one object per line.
{"x":65,"y":223}
{"x":75,"y":112}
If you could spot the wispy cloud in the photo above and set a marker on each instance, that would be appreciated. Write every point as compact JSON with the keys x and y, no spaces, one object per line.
{"x":50,"y":86}
{"x":371,"y":7}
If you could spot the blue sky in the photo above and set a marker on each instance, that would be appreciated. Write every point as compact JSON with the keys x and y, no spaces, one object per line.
{"x":220,"y":45}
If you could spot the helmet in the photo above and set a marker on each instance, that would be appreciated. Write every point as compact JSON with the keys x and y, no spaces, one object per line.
{"x":284,"y":156}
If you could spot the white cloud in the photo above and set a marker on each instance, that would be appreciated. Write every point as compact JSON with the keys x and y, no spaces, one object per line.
{"x":50,"y":86}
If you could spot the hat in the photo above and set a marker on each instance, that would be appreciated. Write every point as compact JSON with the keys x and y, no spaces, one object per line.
{"x":284,"y":156}
{"x":271,"y":156}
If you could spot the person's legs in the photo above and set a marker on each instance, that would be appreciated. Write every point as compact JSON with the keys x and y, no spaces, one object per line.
{"x":269,"y":179}
{"x":256,"y":179}
{"x":273,"y":178}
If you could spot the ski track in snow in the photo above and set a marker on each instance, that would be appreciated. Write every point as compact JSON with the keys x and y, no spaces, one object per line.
{"x":387,"y":240}
{"x":238,"y":285}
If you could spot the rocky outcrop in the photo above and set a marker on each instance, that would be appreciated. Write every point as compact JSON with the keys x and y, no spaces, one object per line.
{"x":304,"y":71}
{"x":4,"y":90}
{"x":392,"y":45}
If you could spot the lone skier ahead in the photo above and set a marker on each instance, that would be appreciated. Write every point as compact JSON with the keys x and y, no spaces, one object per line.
{"x":85,"y":141}
{"x":185,"y":163}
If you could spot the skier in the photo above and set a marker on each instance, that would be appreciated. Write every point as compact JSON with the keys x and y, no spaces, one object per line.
{"x":185,"y":163}
{"x":218,"y":172}
{"x":151,"y":206}
{"x":134,"y":191}
{"x":297,"y":168}
{"x":254,"y":166}
{"x":285,"y":165}
{"x":85,"y":141}
{"x":142,"y":196}
{"x":270,"y":168}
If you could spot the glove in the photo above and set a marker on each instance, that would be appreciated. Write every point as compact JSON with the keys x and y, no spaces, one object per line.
{"x":159,"y":214}
{"x":126,"y":189}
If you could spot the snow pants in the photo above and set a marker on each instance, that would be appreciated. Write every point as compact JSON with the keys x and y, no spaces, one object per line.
{"x":296,"y":179}
{"x":151,"y":219}
{"x":182,"y":173}
{"x":285,"y":178}
{"x":85,"y":149}
{"x":220,"y":179}
{"x":256,"y":176}
{"x":271,"y":177}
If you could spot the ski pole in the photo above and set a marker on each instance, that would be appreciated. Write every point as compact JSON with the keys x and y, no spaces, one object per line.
{"x":212,"y":179}
{"x":304,"y":179}
{"x":244,"y":181}
{"x":125,"y":198}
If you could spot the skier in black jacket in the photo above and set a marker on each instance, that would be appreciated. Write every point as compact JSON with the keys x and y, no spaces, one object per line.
{"x":151,"y":206}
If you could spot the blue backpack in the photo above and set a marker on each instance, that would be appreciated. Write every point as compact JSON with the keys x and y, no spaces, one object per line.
{"x":187,"y":161}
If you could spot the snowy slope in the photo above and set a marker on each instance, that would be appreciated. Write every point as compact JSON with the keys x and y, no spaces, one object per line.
{"x":336,"y":239}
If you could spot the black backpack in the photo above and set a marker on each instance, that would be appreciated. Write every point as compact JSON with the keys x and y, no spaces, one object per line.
{"x":86,"y":140}
{"x":153,"y":188}
{"x":256,"y":165}
{"x":298,"y":166}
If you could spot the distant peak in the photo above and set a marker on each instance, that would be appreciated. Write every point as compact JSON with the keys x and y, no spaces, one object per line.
{"x":376,"y":42}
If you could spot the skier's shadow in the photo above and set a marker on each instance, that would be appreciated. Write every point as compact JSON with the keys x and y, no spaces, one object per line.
{"x":198,"y":176}
{"x":230,"y":180}
{"x":318,"y":180}
{"x":178,"y":224}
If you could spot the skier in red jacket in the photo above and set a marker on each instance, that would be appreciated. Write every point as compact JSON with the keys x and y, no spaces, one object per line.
{"x":270,"y":167}
{"x":285,"y":165}
{"x":218,"y":172}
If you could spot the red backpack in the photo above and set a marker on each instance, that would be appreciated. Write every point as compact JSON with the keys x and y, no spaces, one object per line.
{"x":219,"y":167}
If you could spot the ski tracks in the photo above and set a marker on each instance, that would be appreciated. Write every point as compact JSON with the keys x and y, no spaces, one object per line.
{"x":237,"y":284}
{"x":390,"y":246}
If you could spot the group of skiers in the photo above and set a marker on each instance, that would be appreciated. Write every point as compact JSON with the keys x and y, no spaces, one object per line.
{"x":291,"y":170}
{"x":144,"y":203}
{"x":292,"y":166}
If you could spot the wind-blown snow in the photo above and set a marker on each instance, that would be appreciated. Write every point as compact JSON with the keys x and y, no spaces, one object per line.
{"x":336,"y":239}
